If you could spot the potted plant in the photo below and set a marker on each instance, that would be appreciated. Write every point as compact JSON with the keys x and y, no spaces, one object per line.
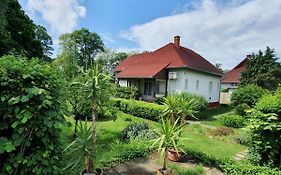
{"x":168,"y":138}
{"x":178,"y":107}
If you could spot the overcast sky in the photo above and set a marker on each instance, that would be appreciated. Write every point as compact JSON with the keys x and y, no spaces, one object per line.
{"x":222,"y":31}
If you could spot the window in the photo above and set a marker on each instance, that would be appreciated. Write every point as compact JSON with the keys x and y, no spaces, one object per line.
{"x":157,"y":87}
{"x":148,"y":88}
{"x":218,"y":87}
{"x":197,"y":84}
{"x":211,"y":88}
{"x":186,"y":84}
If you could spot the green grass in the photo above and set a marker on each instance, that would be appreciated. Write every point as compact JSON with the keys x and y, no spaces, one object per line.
{"x":111,"y":149}
{"x":211,"y":116}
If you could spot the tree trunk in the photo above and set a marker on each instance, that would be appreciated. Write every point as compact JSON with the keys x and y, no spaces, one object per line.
{"x":165,"y":160}
{"x":94,"y":122}
{"x":88,"y":164}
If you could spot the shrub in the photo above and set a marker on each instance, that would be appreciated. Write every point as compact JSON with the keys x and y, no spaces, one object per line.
{"x":243,"y":138}
{"x":242,"y":168}
{"x":141,"y":109}
{"x":136,"y":130}
{"x":249,"y":94}
{"x":132,"y":92}
{"x":32,"y":111}
{"x":201,"y":102}
{"x":270,"y":104}
{"x":223,"y":131}
{"x":235,"y":121}
{"x":242,"y":109}
{"x":265,"y":140}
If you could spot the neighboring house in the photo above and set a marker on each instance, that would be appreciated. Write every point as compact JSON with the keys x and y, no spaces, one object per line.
{"x":231,"y":79}
{"x":171,"y":69}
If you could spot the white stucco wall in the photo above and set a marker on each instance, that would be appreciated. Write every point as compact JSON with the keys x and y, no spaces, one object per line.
{"x":228,"y":86}
{"x":179,"y":85}
{"x":123,"y":82}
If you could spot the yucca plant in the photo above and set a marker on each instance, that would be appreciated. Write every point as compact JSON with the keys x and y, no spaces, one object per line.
{"x":82,"y":146}
{"x":172,"y":107}
{"x":169,"y":135}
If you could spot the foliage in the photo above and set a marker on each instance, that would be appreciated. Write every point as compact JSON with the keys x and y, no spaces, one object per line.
{"x":19,"y":35}
{"x":32,"y":108}
{"x":141,"y":109}
{"x":135,"y":130}
{"x":263,"y":69}
{"x":223,"y":131}
{"x":83,"y":45}
{"x":242,"y":168}
{"x":235,"y":121}
{"x":82,"y":145}
{"x":93,"y":88}
{"x":110,"y":59}
{"x":242,"y":138}
{"x":249,"y":94}
{"x":132,"y":92}
{"x":168,"y":136}
{"x":177,"y":106}
{"x":241,"y":109}
{"x":265,"y":141}
{"x":201,"y":102}
{"x":270,"y":104}
{"x":197,"y":170}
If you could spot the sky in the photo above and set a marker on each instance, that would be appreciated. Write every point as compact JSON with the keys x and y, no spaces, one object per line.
{"x":222,"y":31}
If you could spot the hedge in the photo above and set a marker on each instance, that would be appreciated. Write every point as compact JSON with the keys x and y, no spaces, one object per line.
{"x":228,"y":166}
{"x":141,"y":109}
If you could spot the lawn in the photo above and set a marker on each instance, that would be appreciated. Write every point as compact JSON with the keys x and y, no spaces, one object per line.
{"x":111,"y":149}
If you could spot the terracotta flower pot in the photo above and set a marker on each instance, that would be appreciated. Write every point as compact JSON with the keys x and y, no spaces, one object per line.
{"x":164,"y":172}
{"x":173,"y":155}
{"x":98,"y":172}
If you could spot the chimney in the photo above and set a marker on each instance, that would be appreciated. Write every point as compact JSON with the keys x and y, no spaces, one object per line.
{"x":177,"y":40}
{"x":248,"y":56}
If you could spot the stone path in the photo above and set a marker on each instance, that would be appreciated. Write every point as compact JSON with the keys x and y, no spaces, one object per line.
{"x":148,"y":166}
{"x":241,"y":155}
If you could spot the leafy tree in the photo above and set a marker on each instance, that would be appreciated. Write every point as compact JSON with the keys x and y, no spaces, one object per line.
{"x":110,"y":59}
{"x":263,"y":69}
{"x":83,"y":44}
{"x":19,"y":35}
{"x":44,"y":38}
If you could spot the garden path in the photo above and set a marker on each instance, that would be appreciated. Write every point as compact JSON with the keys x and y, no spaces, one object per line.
{"x":148,"y":166}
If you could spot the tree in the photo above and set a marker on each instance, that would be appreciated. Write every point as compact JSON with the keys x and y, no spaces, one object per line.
{"x":84,"y":44}
{"x":93,"y":86}
{"x":263,"y":69}
{"x":19,"y":35}
{"x":110,"y":59}
{"x":45,"y":40}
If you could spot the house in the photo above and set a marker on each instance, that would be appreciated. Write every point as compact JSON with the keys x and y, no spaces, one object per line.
{"x":231,"y":79}
{"x":170,"y":69}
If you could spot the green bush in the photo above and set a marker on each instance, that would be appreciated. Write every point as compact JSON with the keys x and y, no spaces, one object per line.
{"x":242,"y":138}
{"x":242,"y":109}
{"x":270,"y":104}
{"x":134,"y":130}
{"x":201,"y":102}
{"x":132,"y":92}
{"x":32,"y":111}
{"x":141,"y":109}
{"x":242,"y":168}
{"x":235,"y":121}
{"x":249,"y":95}
{"x":229,"y":166}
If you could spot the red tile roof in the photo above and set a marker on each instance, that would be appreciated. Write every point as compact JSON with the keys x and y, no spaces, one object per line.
{"x":149,"y":64}
{"x":233,"y":76}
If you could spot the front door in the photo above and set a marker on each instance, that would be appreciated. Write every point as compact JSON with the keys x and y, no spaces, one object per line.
{"x":148,"y":93}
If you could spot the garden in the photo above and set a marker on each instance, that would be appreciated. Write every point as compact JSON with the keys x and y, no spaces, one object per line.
{"x":69,"y":116}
